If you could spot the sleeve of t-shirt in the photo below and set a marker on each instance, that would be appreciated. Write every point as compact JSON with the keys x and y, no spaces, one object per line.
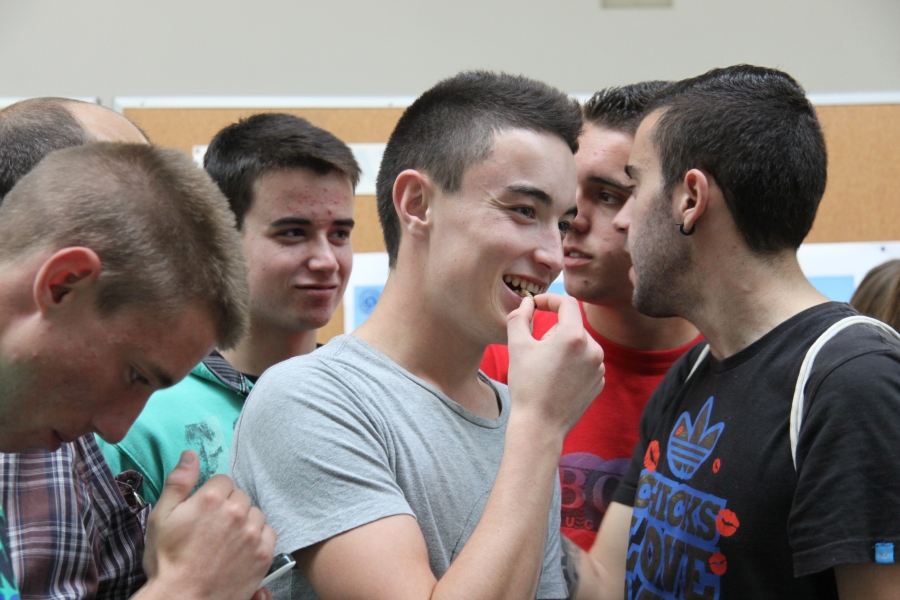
{"x":653,"y":411}
{"x":495,"y":363}
{"x":312,"y":456}
{"x":848,"y":461}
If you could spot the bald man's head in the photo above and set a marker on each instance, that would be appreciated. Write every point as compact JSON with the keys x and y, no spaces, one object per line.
{"x":32,"y":129}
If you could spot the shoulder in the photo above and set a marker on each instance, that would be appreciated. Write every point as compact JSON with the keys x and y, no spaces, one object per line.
{"x":194,"y":398}
{"x":859,"y":358}
{"x":344,"y":382}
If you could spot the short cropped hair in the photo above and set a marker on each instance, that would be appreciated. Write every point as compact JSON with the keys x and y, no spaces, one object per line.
{"x":245,"y":151}
{"x":872,"y":296}
{"x":622,"y":108}
{"x":32,"y":129}
{"x":754,"y":131}
{"x":451,"y":127}
{"x":161,"y":228}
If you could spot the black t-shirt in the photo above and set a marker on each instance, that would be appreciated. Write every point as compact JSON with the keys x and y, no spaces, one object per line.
{"x":719,"y":510}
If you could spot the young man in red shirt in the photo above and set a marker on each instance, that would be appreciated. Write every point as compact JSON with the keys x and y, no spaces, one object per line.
{"x":639,"y":349}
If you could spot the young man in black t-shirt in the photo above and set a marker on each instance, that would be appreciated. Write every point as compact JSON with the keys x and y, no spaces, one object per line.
{"x":729,"y":168}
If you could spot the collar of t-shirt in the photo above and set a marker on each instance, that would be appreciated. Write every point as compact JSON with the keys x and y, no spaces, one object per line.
{"x":230,"y":376}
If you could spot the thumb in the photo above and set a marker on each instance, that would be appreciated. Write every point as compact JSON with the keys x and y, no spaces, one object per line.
{"x":179,"y":483}
{"x":262,"y":594}
{"x":519,"y":322}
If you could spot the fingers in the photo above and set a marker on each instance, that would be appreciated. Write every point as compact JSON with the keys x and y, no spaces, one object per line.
{"x":269,"y":537}
{"x":179,"y":484}
{"x":239,"y":497}
{"x":567,"y":309}
{"x":519,"y":322}
{"x":262,"y":594}
{"x":550,"y":302}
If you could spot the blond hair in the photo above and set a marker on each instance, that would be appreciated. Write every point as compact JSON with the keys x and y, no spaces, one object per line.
{"x":162,"y":229}
{"x":874,"y":295}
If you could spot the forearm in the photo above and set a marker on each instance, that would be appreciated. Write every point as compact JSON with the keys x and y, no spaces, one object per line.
{"x":504,"y":556}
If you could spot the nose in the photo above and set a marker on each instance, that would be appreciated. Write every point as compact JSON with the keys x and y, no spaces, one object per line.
{"x":581,"y":223}
{"x":322,"y":258}
{"x":622,"y":221}
{"x":550,"y":252}
{"x":114,"y":422}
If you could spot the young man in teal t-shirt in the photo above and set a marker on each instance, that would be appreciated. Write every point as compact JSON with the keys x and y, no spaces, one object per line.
{"x":290,"y":185}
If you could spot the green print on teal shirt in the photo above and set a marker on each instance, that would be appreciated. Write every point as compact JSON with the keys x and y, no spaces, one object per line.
{"x":8,"y":590}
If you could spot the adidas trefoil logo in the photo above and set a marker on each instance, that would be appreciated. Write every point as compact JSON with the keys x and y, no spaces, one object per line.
{"x":691,"y":443}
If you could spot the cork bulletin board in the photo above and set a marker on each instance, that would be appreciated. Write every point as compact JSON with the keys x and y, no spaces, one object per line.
{"x":862,"y":132}
{"x":862,"y":198}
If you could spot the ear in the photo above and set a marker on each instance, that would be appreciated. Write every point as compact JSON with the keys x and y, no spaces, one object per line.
{"x":68,"y":274}
{"x":694,"y":198}
{"x":412,"y":193}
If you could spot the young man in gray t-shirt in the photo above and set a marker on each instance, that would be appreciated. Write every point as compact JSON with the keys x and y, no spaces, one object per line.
{"x":388,"y":465}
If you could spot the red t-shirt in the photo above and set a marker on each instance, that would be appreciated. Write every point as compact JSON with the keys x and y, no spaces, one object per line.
{"x":598,"y":449}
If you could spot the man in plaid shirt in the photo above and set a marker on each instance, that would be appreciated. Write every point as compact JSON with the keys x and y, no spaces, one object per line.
{"x":74,"y":530}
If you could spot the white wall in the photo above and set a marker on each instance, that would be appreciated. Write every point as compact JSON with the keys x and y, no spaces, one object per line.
{"x":400,"y":47}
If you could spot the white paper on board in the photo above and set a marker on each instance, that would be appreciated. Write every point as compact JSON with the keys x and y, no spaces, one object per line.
{"x":368,"y":156}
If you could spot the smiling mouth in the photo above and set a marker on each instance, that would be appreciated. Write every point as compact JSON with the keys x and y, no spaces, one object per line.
{"x":522,"y":287}
{"x":576,"y":254}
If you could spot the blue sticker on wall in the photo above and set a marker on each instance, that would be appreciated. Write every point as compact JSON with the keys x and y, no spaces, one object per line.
{"x":365,"y":299}
{"x":837,"y":288}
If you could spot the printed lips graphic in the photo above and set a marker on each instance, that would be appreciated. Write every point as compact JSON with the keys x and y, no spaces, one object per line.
{"x":651,"y":458}
{"x":727,"y":522}
{"x":718,"y":564}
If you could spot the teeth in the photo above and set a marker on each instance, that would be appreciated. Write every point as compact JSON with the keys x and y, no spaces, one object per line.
{"x":522,"y":287}
{"x":577,"y":255}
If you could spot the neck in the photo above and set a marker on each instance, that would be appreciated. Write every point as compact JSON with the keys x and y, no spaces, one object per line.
{"x":745,"y":298}
{"x":624,"y":325}
{"x":265,"y":346}
{"x":402,"y":327}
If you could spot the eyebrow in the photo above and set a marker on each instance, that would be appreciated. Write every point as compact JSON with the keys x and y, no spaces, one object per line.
{"x":306,"y":222}
{"x":572,"y":211}
{"x":610,"y":182}
{"x":527,"y":190}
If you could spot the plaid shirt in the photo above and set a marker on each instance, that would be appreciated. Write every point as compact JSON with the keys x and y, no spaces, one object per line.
{"x":74,"y":530}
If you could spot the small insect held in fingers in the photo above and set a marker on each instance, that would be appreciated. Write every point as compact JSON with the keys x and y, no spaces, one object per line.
{"x":526,"y":294}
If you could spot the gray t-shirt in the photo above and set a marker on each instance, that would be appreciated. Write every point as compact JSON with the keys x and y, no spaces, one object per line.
{"x":344,"y":436}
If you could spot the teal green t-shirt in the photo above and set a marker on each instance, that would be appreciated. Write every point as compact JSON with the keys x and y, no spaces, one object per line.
{"x":8,"y":589}
{"x":198,"y":413}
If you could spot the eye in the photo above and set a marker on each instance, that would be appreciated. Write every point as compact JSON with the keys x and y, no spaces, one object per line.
{"x":608,"y":198}
{"x":138,"y":378}
{"x":564,"y":227}
{"x":525,"y":211}
{"x":341,"y":235}
{"x":293,"y":233}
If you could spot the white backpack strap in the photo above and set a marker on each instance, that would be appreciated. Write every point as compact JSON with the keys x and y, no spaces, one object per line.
{"x":699,"y":360}
{"x":806,"y":369}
